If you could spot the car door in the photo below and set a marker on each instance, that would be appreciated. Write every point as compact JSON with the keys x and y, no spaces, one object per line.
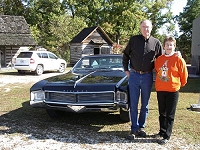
{"x":45,"y":61}
{"x":53,"y":60}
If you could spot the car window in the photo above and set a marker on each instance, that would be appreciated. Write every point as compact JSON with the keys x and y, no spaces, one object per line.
{"x":52,"y":56}
{"x":44,"y":55}
{"x":92,"y":63}
{"x":39,"y":55}
{"x":85,"y":63}
{"x":110,"y":62}
{"x":25,"y":55}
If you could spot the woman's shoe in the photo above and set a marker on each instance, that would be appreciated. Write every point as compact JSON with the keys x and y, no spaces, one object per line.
{"x":163,"y":141}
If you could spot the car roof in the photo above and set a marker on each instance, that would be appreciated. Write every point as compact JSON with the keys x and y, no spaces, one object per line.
{"x":34,"y":51}
{"x":103,"y":55}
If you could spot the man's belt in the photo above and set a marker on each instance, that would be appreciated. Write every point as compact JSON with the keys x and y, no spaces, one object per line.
{"x":141,"y":72}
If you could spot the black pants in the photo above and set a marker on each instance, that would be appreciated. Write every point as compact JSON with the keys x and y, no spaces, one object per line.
{"x":167,"y":102}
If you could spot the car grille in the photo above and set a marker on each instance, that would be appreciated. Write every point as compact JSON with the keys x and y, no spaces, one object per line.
{"x":80,"y":98}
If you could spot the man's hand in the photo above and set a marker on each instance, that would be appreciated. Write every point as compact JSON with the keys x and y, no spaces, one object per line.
{"x":178,"y":53}
{"x":127,"y":73}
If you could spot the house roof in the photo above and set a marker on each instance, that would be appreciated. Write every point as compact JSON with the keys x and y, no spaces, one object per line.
{"x":86,"y":32}
{"x":14,"y":30}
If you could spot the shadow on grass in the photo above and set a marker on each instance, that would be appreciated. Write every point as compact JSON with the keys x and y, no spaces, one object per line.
{"x":9,"y":73}
{"x":15,"y":73}
{"x":85,"y":128}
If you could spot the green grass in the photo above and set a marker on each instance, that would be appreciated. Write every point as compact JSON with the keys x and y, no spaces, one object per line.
{"x":187,"y":122}
{"x":19,"y":117}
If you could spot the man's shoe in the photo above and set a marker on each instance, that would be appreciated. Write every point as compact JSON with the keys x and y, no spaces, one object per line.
{"x":142,"y":133}
{"x":132,"y":135}
{"x":163,"y":141}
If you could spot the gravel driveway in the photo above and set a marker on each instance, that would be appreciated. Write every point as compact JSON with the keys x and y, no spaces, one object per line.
{"x":55,"y":138}
{"x":7,"y":78}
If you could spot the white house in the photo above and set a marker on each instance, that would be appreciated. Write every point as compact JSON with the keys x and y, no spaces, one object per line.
{"x":195,"y":49}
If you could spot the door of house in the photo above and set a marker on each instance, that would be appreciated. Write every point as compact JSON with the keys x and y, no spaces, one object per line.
{"x":2,"y":57}
{"x":96,"y":51}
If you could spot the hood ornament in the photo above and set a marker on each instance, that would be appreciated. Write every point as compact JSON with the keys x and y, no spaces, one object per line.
{"x":79,"y":80}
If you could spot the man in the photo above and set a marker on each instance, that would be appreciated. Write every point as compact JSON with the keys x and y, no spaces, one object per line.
{"x":140,"y":53}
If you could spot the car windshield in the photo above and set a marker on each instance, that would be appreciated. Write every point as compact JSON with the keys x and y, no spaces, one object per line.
{"x":99,"y":63}
{"x":25,"y":55}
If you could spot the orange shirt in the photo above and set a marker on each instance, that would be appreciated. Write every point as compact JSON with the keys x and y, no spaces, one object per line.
{"x":171,"y":73}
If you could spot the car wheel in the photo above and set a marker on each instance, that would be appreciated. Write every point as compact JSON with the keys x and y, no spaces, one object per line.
{"x":55,"y":113}
{"x":124,"y":115}
{"x":39,"y":70}
{"x":61,"y":68}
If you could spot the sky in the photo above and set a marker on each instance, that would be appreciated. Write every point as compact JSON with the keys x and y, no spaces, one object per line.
{"x":177,"y":7}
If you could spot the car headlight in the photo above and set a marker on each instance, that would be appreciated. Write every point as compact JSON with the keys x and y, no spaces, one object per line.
{"x":37,"y":95}
{"x":121,"y":97}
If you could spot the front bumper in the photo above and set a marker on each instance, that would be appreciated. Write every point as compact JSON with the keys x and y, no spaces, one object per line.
{"x":79,"y":101}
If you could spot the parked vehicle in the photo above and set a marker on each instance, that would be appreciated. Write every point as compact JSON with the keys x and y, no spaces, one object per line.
{"x":95,"y":83}
{"x":38,"y":62}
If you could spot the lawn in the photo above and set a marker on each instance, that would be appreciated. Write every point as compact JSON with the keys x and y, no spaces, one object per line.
{"x":16,"y":114}
{"x":187,"y":122}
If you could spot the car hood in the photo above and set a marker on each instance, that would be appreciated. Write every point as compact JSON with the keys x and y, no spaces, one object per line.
{"x":90,"y":81}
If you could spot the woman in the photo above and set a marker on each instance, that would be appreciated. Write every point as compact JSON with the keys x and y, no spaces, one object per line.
{"x":171,"y":74}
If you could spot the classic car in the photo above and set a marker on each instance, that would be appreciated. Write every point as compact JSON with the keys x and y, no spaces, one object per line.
{"x":95,"y":83}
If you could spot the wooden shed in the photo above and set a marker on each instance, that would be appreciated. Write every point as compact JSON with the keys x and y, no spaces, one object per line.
{"x":14,"y":33}
{"x":90,"y":41}
{"x":196,"y":44}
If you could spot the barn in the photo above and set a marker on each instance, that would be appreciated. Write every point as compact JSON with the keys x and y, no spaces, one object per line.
{"x":90,"y":41}
{"x":14,"y":33}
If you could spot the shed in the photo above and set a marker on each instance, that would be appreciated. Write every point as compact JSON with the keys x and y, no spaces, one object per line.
{"x":14,"y":33}
{"x":195,"y":49}
{"x":90,"y":41}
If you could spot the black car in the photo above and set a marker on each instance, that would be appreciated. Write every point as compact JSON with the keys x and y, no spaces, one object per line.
{"x":95,"y":83}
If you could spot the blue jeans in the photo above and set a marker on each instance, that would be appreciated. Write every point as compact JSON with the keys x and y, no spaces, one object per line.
{"x":139,"y":84}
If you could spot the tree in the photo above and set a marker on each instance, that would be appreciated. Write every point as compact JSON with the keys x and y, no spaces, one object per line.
{"x":63,"y":28}
{"x":40,"y":12}
{"x":190,"y":12}
{"x":120,"y":18}
{"x":160,"y":14}
{"x":12,"y":7}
